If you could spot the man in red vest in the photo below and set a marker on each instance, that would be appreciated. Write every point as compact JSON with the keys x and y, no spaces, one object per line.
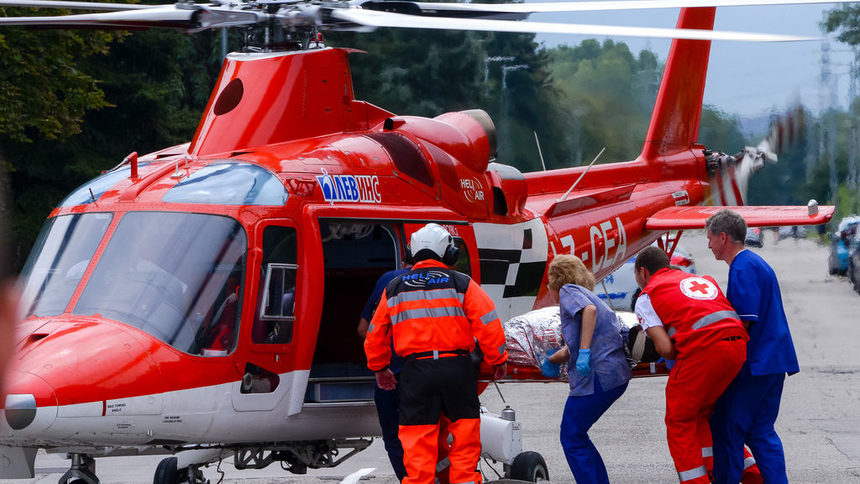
{"x":692,"y":322}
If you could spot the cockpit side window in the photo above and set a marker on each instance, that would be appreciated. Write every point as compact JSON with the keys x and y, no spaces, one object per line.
{"x":275,"y":314}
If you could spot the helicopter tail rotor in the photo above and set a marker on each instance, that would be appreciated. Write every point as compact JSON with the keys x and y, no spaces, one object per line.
{"x":730,"y":174}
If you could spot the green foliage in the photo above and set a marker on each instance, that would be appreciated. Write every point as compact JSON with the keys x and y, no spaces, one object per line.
{"x":845,"y":20}
{"x":721,"y":131}
{"x":429,"y":73}
{"x":419,"y":73}
{"x":45,"y":93}
{"x":606,"y":95}
{"x":847,"y":202}
{"x":153,"y":87}
{"x":816,"y":167}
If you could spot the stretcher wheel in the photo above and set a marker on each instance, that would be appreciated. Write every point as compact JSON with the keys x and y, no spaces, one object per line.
{"x":529,"y":466}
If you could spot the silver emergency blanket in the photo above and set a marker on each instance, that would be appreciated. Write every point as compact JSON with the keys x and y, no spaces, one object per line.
{"x":530,"y":335}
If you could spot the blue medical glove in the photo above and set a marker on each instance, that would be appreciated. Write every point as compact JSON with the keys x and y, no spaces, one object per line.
{"x":669,"y":363}
{"x":583,"y":362}
{"x":547,"y":369}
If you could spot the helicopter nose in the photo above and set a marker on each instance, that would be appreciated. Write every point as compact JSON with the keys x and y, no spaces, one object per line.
{"x":30,"y":404}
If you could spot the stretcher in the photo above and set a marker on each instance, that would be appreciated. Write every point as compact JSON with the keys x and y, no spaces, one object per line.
{"x":529,"y":337}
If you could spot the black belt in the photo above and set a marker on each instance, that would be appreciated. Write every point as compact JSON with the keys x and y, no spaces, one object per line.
{"x":732,"y":338}
{"x":435,"y":354}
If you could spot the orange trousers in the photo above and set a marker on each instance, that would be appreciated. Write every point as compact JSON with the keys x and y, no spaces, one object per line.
{"x":751,"y":473}
{"x":421,"y":458}
{"x":695,"y":383}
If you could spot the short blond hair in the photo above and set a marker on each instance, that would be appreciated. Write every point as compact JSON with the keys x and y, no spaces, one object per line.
{"x":569,"y":269}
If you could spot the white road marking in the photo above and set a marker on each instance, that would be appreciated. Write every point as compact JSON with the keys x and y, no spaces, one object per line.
{"x":357,"y":475}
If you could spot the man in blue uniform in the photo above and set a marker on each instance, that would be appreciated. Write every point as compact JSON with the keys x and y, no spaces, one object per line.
{"x":748,"y":409}
{"x":387,"y":401}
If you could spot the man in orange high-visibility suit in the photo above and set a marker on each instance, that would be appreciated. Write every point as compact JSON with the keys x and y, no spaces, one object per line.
{"x":691,"y":322}
{"x":434,"y":314}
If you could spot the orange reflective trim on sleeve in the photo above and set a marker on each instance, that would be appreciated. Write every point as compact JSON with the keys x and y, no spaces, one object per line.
{"x":377,"y":343}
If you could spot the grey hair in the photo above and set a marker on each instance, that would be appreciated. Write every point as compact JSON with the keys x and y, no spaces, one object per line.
{"x":728,"y":222}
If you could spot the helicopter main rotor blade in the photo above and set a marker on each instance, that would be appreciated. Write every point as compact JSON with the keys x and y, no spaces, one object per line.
{"x":361,"y":15}
{"x":438,"y":9}
{"x":76,"y":5}
{"x":190,"y":19}
{"x":371,"y":18}
{"x":445,"y":9}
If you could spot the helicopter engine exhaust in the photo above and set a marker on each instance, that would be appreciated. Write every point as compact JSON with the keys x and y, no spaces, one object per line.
{"x":487,"y":124}
{"x":469,"y":136}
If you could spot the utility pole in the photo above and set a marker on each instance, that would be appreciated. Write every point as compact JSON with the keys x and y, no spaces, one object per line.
{"x":827,"y":108}
{"x":504,"y":138}
{"x":852,"y":116}
{"x":502,"y":124}
{"x":487,"y":60}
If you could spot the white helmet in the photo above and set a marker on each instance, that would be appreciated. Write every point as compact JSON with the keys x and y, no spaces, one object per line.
{"x":433,"y":237}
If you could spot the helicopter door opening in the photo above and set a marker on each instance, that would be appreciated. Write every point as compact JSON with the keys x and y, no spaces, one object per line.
{"x":263,"y":385}
{"x":355,"y":255}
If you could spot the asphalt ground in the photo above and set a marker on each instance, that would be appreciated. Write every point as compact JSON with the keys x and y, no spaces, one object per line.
{"x":819,"y":421}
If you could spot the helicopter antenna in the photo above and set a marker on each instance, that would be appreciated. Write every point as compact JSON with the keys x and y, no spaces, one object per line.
{"x":580,"y":176}
{"x":540,"y":153}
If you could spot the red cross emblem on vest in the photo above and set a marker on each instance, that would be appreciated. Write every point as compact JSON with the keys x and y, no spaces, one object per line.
{"x":699,"y":288}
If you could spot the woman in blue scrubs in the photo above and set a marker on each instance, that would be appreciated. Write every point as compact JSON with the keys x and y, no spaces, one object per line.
{"x":597,"y":369}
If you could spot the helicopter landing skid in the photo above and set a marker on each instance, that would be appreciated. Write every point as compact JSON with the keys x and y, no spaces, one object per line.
{"x":297,"y":457}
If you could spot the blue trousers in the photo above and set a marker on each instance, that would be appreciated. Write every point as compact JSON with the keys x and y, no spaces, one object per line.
{"x":746,"y":412}
{"x":580,"y":413}
{"x":387,"y":404}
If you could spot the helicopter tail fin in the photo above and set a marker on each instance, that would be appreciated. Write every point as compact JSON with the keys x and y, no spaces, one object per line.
{"x":674,"y":123}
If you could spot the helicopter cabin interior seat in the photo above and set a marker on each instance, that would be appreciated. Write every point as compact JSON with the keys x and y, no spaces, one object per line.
{"x":217,"y":337}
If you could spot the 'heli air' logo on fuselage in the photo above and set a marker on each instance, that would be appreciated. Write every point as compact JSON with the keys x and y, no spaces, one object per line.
{"x":472,"y":189}
{"x":350,"y":188}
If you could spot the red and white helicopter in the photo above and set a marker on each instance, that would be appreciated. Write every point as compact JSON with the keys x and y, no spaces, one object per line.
{"x":202,"y":299}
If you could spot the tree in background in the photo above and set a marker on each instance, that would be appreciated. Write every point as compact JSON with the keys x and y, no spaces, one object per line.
{"x":45,"y":94}
{"x":845,"y":21}
{"x":786,"y":182}
{"x":58,"y":130}
{"x":607,"y":97}
{"x":43,"y":97}
{"x":427,"y":73}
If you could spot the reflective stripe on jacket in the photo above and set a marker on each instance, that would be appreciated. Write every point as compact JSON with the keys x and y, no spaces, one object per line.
{"x":432,"y":308}
{"x":693,"y":309}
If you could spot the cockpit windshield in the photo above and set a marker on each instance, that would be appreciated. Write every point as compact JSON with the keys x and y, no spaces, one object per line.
{"x":59,"y":260}
{"x":177,"y":276}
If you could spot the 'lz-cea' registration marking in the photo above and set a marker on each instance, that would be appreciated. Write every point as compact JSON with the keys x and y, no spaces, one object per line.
{"x":604,"y":238}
